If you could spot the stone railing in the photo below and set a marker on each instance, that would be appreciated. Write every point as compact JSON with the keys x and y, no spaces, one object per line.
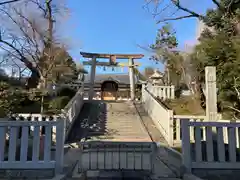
{"x":39,"y":118}
{"x":177,"y":131}
{"x":73,"y":108}
{"x":28,"y":148}
{"x":27,"y":140}
{"x":212,"y":152}
{"x":164,"y":119}
{"x":177,"y":139}
{"x":95,"y":152}
{"x":162,"y":92}
{"x":161,"y":116}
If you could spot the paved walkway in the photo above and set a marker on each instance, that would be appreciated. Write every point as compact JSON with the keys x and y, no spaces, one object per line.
{"x":121,"y":123}
{"x":126,"y":121}
{"x":111,"y":121}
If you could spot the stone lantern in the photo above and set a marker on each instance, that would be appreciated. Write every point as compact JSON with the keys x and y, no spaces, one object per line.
{"x":156,"y":78}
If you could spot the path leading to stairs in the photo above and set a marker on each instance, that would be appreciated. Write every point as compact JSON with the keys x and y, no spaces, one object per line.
{"x":122,"y":121}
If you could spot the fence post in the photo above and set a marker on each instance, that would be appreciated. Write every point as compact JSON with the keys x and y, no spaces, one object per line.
{"x":168,"y":92}
{"x":170,"y":127}
{"x":60,"y":138}
{"x":143,"y":92}
{"x":186,"y":146}
{"x":153,"y":156}
{"x":172,"y":92}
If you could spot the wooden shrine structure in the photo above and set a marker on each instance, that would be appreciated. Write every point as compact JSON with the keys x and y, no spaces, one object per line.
{"x":93,"y":62}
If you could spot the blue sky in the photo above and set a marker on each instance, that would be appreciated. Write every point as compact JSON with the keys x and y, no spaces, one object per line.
{"x":119,"y":26}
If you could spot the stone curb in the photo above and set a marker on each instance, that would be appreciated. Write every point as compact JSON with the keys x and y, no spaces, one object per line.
{"x":190,"y":177}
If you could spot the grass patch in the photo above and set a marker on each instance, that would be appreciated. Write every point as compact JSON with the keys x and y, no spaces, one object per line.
{"x":185,"y":106}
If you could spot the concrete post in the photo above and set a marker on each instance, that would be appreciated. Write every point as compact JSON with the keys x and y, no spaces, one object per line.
{"x":211,"y":93}
{"x":172,"y":92}
{"x":143,"y":92}
{"x":132,"y":78}
{"x":92,"y":78}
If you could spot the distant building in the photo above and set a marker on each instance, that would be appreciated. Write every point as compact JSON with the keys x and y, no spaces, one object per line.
{"x":111,"y":86}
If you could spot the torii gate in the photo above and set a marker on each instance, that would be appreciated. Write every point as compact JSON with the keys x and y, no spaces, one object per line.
{"x":112,"y":62}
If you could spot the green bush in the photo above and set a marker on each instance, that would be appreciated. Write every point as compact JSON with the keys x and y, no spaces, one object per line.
{"x":66,"y":91}
{"x":11,"y":98}
{"x":4,"y":86}
{"x":58,"y":103}
{"x":3,"y":113}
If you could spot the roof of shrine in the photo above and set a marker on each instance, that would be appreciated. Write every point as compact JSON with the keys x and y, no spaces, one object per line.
{"x":156,"y":75}
{"x":119,"y":78}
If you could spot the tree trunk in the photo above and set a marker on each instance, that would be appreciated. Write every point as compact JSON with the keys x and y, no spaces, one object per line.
{"x":199,"y":95}
{"x":42,"y":83}
{"x":42,"y":86}
{"x":34,"y":79}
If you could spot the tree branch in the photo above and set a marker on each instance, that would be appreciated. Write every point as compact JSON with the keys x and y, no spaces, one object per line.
{"x":50,"y":22}
{"x":179,"y":6}
{"x":22,"y":58}
{"x":2,"y":61}
{"x":236,"y":88}
{"x":237,"y":110}
{"x":21,"y":28}
{"x":176,"y":18}
{"x":217,"y":3}
{"x":7,"y":2}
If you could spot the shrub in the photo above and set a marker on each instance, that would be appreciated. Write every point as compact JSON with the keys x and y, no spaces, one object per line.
{"x":58,"y":103}
{"x":3,"y":113}
{"x":27,"y":102}
{"x":66,"y":91}
{"x":11,"y":98}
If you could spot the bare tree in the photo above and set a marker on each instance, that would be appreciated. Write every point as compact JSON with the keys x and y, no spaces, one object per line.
{"x":8,"y":2}
{"x":10,"y":63}
{"x":29,"y":38}
{"x":170,"y":10}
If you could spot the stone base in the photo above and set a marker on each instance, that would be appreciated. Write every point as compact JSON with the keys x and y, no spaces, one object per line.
{"x":27,"y":174}
{"x":105,"y":175}
{"x":217,"y":174}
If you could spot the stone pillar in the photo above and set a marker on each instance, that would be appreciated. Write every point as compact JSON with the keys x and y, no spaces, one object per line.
{"x":211,"y":93}
{"x":172,"y":92}
{"x":132,"y":78}
{"x":143,"y":92}
{"x":92,"y":78}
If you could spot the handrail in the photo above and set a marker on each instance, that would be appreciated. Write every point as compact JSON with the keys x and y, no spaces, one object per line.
{"x":158,"y":100}
{"x":79,"y":92}
{"x":160,"y":114}
{"x":73,"y":108}
{"x":164,"y":92}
